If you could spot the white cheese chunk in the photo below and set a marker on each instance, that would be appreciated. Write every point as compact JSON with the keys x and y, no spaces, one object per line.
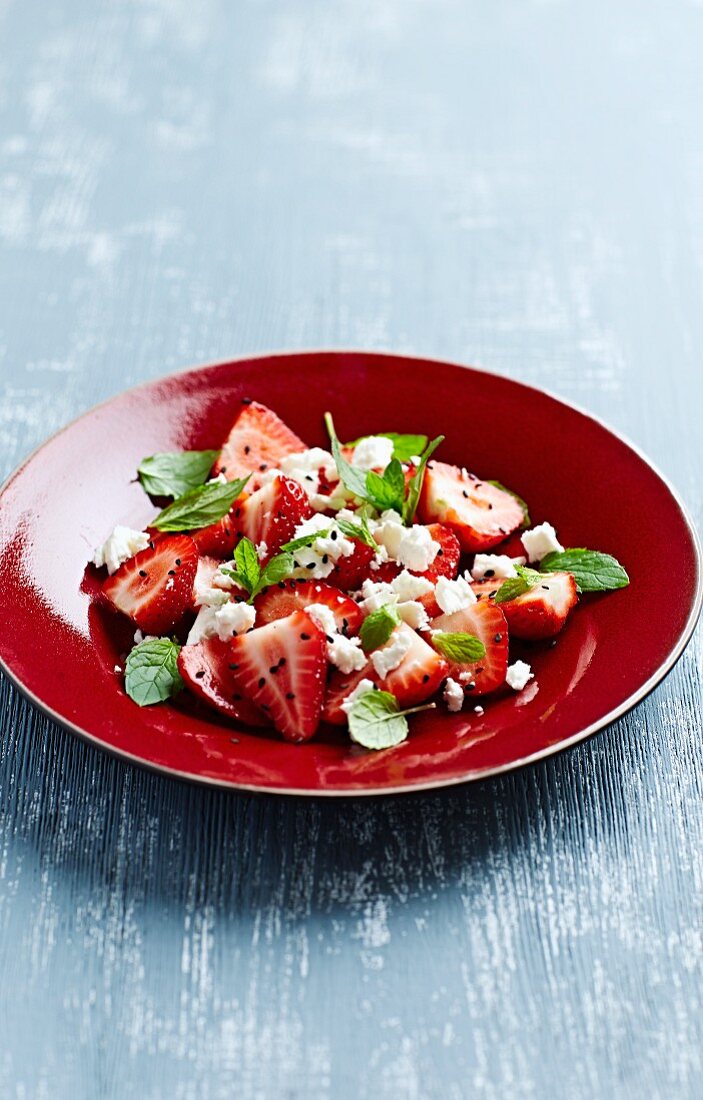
{"x":122,"y":544}
{"x":495,"y":565}
{"x":361,"y":689}
{"x":540,"y":541}
{"x":389,"y":656}
{"x":453,"y":695}
{"x":234,"y":618}
{"x":374,"y":452}
{"x":518,"y":675}
{"x":454,"y":595}
{"x":346,"y":653}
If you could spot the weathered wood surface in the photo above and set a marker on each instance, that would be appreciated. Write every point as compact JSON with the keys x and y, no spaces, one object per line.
{"x":518,"y":185}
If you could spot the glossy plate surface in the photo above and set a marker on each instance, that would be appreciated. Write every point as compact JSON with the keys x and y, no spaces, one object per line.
{"x":62,"y":650}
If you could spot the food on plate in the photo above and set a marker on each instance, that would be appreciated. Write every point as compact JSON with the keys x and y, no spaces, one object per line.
{"x":287,"y":586}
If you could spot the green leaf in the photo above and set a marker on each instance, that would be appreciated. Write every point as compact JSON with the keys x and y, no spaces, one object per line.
{"x":517,"y":586}
{"x":459,"y":647}
{"x":247,"y":561}
{"x":377,"y":627}
{"x":354,"y":480}
{"x":376,"y":722}
{"x":277,"y":569}
{"x":357,"y":531}
{"x":526,"y":521}
{"x":415,"y":485}
{"x":151,"y":672}
{"x":305,"y":540}
{"x":200,"y":507}
{"x":405,"y":446}
{"x":387,"y":491}
{"x":592,"y":571}
{"x":172,"y":475}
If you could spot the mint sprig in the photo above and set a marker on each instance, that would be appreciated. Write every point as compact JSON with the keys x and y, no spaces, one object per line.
{"x":592,"y":570}
{"x":459,"y":647}
{"x":360,"y":531}
{"x":415,"y":484}
{"x":248,"y":573}
{"x":376,"y":721}
{"x":173,"y":474}
{"x":200,"y":507}
{"x":387,"y":490}
{"x":517,"y":586}
{"x":151,"y":672}
{"x":377,"y":627}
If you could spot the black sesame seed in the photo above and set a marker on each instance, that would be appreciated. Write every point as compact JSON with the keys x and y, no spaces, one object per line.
{"x":236,"y":695}
{"x":237,"y":513}
{"x":273,"y":669}
{"x":545,"y":587}
{"x":234,"y":667}
{"x":246,"y":401}
{"x":492,"y":595}
{"x":464,"y":493}
{"x":479,"y":597}
{"x":262,"y":681}
{"x":329,"y":638}
{"x":425,"y":678}
{"x":265,"y":706}
{"x":281,"y":662}
{"x":440,"y":552}
{"x":172,"y":573}
{"x":490,"y":505}
{"x":263,"y":466}
{"x":142,"y":573}
{"x":470,"y":687}
{"x":199,"y":674}
{"x":498,"y":638}
{"x":290,"y":695}
{"x":502,"y":531}
{"x":247,"y":449}
{"x":325,"y":559}
{"x":281,"y":584}
{"x":178,"y":561}
{"x":310,"y":565}
{"x":490,"y":573}
{"x":305,"y":637}
{"x":333,"y":535}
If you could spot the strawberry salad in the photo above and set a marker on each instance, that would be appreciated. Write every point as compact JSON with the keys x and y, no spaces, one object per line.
{"x":289,"y":586}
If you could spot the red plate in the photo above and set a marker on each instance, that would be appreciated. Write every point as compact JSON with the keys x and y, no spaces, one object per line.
{"x":61,"y":650}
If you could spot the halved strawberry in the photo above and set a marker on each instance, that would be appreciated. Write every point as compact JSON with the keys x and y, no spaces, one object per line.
{"x":349,"y":572}
{"x":487,"y":622}
{"x":416,"y":678}
{"x":281,"y":668}
{"x":283,"y":599}
{"x":219,"y":539}
{"x":206,"y":669}
{"x":480,"y":514}
{"x":258,"y":440}
{"x":272,"y":513}
{"x":155,"y":587}
{"x":541,"y":611}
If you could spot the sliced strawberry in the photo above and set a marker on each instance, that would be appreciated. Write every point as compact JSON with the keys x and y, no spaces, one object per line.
{"x":206,"y":669}
{"x":416,"y":678}
{"x":281,"y":668}
{"x":349,"y":572}
{"x":272,"y":513}
{"x":480,"y":515}
{"x":289,"y":596}
{"x":155,"y":587}
{"x":219,"y":539}
{"x":540,"y":612}
{"x":204,"y":576}
{"x":257,"y":441}
{"x":487,"y":622}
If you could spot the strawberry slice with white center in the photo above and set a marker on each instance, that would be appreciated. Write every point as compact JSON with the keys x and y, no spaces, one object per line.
{"x":416,"y":678}
{"x":288,"y":596}
{"x":207,"y":670}
{"x":272,"y":513}
{"x":479,"y":514}
{"x":220,"y":538}
{"x":485,"y":621}
{"x":155,"y":587}
{"x":281,"y":668}
{"x":257,"y":441}
{"x":541,"y":611}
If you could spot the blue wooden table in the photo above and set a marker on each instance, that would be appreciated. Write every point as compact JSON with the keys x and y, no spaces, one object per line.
{"x":515,"y":184}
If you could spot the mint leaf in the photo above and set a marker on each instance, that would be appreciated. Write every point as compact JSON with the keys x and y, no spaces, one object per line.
{"x":247,"y":561}
{"x":305,"y":540}
{"x":173,"y":474}
{"x":376,"y":722}
{"x":356,"y":531}
{"x":415,"y":485}
{"x":592,"y":571}
{"x":405,"y":446}
{"x":377,"y":627}
{"x":517,"y":586}
{"x":151,"y":672}
{"x":459,"y":647}
{"x":199,"y":507}
{"x":526,"y":521}
{"x":387,"y":491}
{"x":354,"y":480}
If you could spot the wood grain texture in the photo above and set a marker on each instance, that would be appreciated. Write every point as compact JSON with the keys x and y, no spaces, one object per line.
{"x":517,"y":185}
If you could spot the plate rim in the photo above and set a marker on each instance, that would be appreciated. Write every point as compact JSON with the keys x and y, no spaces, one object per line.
{"x":428,"y":785}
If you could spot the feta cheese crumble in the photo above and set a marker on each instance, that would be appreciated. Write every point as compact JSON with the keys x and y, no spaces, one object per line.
{"x":495,"y":565}
{"x":412,"y":547}
{"x":305,"y":467}
{"x":400,"y":593}
{"x":518,"y":675}
{"x":361,"y":689}
{"x":454,"y":595}
{"x":389,"y":656}
{"x":453,"y":695}
{"x":540,"y":541}
{"x":223,"y":621}
{"x":122,"y":544}
{"x":317,"y":561}
{"x":373,"y":452}
{"x":345,"y":653}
